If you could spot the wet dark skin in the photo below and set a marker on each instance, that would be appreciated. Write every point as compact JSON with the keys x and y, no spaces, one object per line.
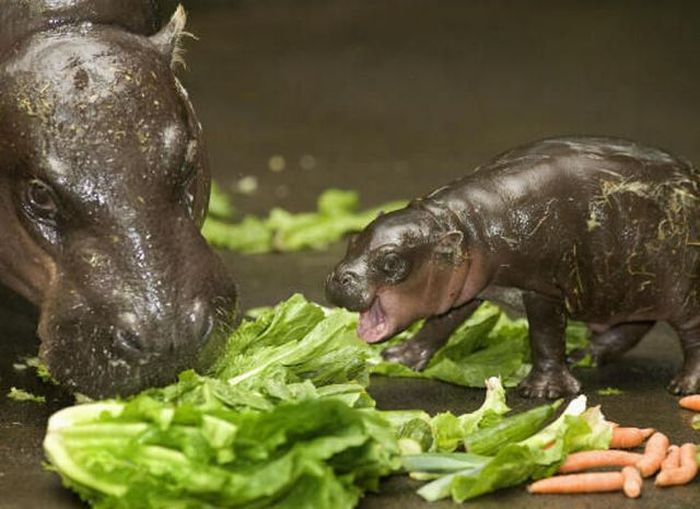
{"x":103,"y":188}
{"x":600,"y":230}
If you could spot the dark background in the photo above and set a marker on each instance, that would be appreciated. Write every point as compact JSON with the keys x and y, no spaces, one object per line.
{"x":394,"y":98}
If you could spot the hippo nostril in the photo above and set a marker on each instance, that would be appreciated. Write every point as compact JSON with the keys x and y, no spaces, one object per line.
{"x":201,"y":321}
{"x":128,"y":341}
{"x":209,"y":327}
{"x":348,"y":278}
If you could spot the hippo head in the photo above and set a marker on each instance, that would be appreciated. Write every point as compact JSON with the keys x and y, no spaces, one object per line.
{"x":405,"y":265}
{"x":103,"y":188}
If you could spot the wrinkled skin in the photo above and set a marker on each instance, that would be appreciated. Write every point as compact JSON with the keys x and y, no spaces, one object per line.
{"x":599,"y":230}
{"x":103,"y":188}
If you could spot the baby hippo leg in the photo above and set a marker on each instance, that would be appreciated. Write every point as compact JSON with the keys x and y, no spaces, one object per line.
{"x":417,"y":352}
{"x":687,"y":381}
{"x":611,"y":344}
{"x":550,"y":376}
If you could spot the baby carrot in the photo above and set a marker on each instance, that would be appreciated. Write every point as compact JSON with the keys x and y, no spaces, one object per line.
{"x":691,"y":402}
{"x":627,"y":438}
{"x":672,"y":459}
{"x":647,"y":432}
{"x":654,"y":454}
{"x":591,"y":459}
{"x":683,"y":474}
{"x":632,"y":484}
{"x":579,"y":483}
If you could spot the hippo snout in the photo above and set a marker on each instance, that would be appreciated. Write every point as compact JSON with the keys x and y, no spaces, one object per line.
{"x":139,"y":340}
{"x":117,"y":328}
{"x":345,"y":288}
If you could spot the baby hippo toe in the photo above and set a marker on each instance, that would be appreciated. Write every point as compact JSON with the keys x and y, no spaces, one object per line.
{"x":685,"y":382}
{"x":549,"y":384}
{"x":411,"y":353}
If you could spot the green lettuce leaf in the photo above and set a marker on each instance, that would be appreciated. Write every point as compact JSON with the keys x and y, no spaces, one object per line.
{"x":283,"y":420}
{"x":22,"y":395}
{"x":337,"y":214}
{"x":150,"y":454}
{"x":220,"y":203}
{"x":487,"y":344}
{"x":577,"y":428}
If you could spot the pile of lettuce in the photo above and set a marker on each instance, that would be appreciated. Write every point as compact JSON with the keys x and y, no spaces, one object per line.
{"x":337,"y":214}
{"x":487,"y":344}
{"x":283,"y":419}
{"x":537,"y":454}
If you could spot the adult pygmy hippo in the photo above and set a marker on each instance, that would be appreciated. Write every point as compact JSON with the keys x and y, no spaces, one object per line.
{"x":600,"y":230}
{"x":103,"y":187}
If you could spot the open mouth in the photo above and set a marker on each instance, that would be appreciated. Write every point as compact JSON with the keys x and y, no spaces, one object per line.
{"x":373,"y":326}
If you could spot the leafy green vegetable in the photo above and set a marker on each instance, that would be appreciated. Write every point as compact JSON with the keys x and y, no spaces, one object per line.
{"x":487,"y":344}
{"x":337,"y":214}
{"x":609,"y":391}
{"x":293,"y":342}
{"x":282,"y":421}
{"x":219,"y":203}
{"x":536,"y":457}
{"x":35,"y":363}
{"x":418,"y":432}
{"x":488,"y":441}
{"x":147,"y":454}
{"x":22,"y":395}
{"x":695,"y":423}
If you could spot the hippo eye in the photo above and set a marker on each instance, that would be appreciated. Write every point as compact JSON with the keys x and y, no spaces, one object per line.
{"x":393,"y":266}
{"x":40,"y":201}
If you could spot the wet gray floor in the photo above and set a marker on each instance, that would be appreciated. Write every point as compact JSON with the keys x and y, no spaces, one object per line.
{"x":394,"y":98}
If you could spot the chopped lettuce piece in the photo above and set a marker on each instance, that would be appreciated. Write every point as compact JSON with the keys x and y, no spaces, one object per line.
{"x":22,"y":395}
{"x":220,"y":203}
{"x":250,"y":236}
{"x":449,"y":430}
{"x":336,"y":215}
{"x":293,"y":342}
{"x":609,"y":391}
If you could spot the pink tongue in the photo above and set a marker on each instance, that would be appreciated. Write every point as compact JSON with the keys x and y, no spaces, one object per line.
{"x":372,"y":325}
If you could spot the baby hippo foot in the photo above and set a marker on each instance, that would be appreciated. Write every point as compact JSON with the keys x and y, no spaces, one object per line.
{"x":414,"y":354}
{"x":685,"y":382}
{"x":549,"y":384}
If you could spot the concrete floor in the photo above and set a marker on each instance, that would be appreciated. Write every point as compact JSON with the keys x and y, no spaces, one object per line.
{"x":393,"y":98}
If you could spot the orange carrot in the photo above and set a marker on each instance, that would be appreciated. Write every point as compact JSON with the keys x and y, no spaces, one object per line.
{"x":579,"y":483}
{"x":683,"y":474}
{"x":672,"y":459}
{"x":647,"y":432}
{"x":691,"y":402}
{"x":654,"y":454}
{"x":632,"y":485}
{"x":591,"y":459}
{"x":626,"y":438}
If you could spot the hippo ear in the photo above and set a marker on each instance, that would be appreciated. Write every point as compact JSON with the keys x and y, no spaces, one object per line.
{"x":169,"y":39}
{"x":449,"y":246}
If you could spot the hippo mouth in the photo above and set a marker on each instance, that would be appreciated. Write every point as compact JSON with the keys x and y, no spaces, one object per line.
{"x":373,"y":326}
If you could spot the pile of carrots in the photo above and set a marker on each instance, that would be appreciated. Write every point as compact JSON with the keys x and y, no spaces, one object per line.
{"x":675,"y":465}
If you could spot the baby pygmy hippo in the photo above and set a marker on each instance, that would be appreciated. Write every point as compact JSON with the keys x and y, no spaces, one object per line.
{"x":594,"y":229}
